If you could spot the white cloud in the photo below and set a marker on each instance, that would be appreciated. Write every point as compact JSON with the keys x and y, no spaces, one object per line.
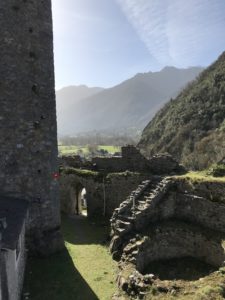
{"x":178,"y":32}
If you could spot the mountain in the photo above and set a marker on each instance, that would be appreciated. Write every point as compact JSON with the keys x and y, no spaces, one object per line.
{"x":130,"y":104}
{"x":68,"y":97}
{"x":192,"y":126}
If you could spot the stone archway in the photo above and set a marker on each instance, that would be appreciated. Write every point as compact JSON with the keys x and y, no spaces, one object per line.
{"x":80,"y":200}
{"x":77,"y":198}
{"x":71,"y":187}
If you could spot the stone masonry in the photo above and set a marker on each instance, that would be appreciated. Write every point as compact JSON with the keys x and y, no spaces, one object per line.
{"x":134,"y":161}
{"x":103,"y":192}
{"x":108,"y":181}
{"x":28,"y":136}
{"x":167,"y":218}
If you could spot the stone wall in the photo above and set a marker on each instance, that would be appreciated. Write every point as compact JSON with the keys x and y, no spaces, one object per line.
{"x":168,"y":218}
{"x":119,"y":187}
{"x":167,"y":240}
{"x":111,"y":187}
{"x":164,"y":164}
{"x":28,"y":139}
{"x":134,"y":161}
{"x":12,"y":269}
{"x":131,"y":160}
{"x":73,"y":161}
{"x":111,"y":164}
{"x":213,"y":190}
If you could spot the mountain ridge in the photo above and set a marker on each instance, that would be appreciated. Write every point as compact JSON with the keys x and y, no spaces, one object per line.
{"x":130,"y":104}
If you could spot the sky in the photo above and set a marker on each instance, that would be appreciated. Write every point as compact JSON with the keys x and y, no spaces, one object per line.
{"x":104,"y":42}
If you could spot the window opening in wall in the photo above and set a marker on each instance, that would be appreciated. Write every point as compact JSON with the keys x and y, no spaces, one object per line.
{"x":84,"y":202}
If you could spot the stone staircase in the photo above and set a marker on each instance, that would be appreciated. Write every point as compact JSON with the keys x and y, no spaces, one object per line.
{"x":136,"y":211}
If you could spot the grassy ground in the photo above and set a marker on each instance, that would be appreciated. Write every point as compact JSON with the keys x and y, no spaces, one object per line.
{"x":83,"y":271}
{"x":72,"y":150}
{"x":201,"y":176}
{"x":75,"y":149}
{"x":211,"y":287}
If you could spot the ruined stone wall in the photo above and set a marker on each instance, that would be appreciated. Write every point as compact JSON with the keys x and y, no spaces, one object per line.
{"x":119,"y":187}
{"x":134,"y":161}
{"x":168,"y":218}
{"x":73,"y":161}
{"x":28,"y":139}
{"x":112,"y":164}
{"x":213,"y":190}
{"x":167,"y":200}
{"x":164,"y":164}
{"x":169,"y":240}
{"x":131,"y":160}
{"x":115,"y":187}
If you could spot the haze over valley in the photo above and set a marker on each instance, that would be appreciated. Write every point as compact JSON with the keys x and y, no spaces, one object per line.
{"x":125,"y":108}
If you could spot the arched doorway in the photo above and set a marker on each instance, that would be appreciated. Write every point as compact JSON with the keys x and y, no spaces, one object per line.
{"x":81,"y":200}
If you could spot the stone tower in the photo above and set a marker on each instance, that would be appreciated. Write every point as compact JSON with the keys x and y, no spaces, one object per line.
{"x":28,"y":135}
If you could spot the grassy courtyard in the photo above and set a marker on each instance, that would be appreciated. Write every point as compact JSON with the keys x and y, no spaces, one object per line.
{"x":83,"y":271}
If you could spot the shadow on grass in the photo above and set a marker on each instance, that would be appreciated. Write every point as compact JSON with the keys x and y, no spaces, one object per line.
{"x":55,"y":278}
{"x":85,"y":231}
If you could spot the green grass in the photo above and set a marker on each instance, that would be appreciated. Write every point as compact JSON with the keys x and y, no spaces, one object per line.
{"x":191,"y":126}
{"x":215,"y":292}
{"x":110,"y":149}
{"x":83,"y":271}
{"x":65,"y":150}
{"x":201,"y":176}
{"x":80,"y":172}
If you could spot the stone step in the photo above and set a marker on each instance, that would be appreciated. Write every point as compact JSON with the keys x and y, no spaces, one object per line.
{"x":123,"y":224}
{"x":141,"y":202}
{"x":141,"y":208}
{"x":125,"y":218}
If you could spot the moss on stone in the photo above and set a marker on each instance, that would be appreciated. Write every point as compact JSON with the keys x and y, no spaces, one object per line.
{"x":81,"y":172}
{"x":203,"y":176}
{"x":126,"y":174}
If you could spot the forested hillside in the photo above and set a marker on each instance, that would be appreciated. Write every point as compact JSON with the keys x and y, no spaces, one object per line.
{"x":192,"y":126}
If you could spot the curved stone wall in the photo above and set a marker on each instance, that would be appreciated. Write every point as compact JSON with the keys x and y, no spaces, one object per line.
{"x":168,"y":241}
{"x":176,"y":220}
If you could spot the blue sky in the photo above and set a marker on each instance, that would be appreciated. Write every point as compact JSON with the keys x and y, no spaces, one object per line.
{"x":103,"y":42}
